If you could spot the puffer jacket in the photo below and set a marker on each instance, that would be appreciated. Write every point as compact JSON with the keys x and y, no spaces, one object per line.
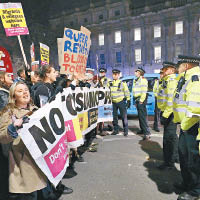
{"x":24,"y":174}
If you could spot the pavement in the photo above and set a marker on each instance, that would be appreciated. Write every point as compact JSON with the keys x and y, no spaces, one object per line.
{"x":124,"y":169}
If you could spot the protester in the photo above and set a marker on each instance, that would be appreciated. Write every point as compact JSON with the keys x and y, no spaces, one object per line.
{"x":35,"y":77}
{"x":25,"y":178}
{"x":5,"y":82}
{"x":42,"y":94}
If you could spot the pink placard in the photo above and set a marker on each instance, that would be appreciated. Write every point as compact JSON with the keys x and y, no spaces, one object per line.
{"x":71,"y":136}
{"x":57,"y":157}
{"x":16,"y":31}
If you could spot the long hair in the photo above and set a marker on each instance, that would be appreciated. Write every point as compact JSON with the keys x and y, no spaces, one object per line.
{"x":2,"y":80}
{"x":11,"y":100}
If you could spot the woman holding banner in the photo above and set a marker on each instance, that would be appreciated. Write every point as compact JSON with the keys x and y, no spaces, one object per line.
{"x":25,"y":178}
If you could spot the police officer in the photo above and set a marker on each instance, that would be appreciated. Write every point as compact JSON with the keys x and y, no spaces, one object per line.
{"x":157,"y":85}
{"x":140,"y":87}
{"x":120,"y":94}
{"x":170,"y":139}
{"x":187,"y":111}
{"x":103,"y":79}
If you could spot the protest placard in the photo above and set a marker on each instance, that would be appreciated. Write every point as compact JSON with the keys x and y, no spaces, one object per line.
{"x":44,"y":54}
{"x":75,"y":51}
{"x":60,"y":125}
{"x":59,"y":43}
{"x":13,"y":19}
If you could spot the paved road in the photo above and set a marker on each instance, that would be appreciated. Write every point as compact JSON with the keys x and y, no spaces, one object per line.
{"x":123,"y":169}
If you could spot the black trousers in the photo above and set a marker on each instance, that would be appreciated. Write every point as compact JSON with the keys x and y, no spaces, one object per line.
{"x":189,"y":159}
{"x":156,"y":115}
{"x":142,"y":115}
{"x":170,"y":142}
{"x":28,"y":196}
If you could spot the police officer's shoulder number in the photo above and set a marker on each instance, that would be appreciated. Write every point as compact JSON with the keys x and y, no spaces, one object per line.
{"x":195,"y":78}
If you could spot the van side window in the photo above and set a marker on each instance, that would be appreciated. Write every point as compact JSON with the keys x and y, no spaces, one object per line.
{"x":151,"y":81}
{"x":129,"y":83}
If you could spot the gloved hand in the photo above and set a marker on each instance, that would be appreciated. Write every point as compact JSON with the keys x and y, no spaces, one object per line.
{"x":128,"y":104}
{"x":12,"y":131}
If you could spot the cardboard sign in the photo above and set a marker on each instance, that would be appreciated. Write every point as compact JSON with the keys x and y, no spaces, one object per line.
{"x":13,"y":19}
{"x":44,"y":54}
{"x":75,"y":51}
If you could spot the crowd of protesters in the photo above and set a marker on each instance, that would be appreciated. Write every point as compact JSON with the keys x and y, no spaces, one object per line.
{"x":19,"y":98}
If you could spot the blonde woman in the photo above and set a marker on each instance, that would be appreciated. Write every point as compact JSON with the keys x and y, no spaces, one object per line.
{"x":25,"y":178}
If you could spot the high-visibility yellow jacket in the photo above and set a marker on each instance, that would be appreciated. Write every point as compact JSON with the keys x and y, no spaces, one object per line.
{"x":119,"y":91}
{"x":161,"y":96}
{"x":169,"y":93}
{"x":191,"y":96}
{"x":105,"y":82}
{"x":140,"y":88}
{"x":156,"y":87}
{"x":179,"y":105}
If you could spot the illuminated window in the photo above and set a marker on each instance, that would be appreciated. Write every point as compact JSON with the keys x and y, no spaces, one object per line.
{"x":101,"y":39}
{"x":138,"y":55}
{"x":137,"y":34}
{"x":157,"y":53}
{"x":157,"y":31}
{"x":179,"y":27}
{"x":117,"y":37}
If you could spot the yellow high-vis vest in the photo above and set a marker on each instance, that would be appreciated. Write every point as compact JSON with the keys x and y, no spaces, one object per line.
{"x":140,"y":88}
{"x":119,"y":91}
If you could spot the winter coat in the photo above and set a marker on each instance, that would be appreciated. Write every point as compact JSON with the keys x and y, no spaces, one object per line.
{"x":4,"y":94}
{"x":24,"y":174}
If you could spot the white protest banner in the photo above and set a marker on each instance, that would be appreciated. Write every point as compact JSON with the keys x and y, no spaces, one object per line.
{"x":75,"y":51}
{"x":60,"y":125}
{"x":44,"y":54}
{"x":105,"y":108}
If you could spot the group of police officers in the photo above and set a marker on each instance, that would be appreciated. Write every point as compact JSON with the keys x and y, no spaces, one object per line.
{"x":177,"y":102}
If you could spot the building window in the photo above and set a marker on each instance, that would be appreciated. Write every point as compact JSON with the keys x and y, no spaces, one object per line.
{"x":179,"y":27}
{"x":138,"y":56}
{"x":101,"y":39}
{"x":102,"y":59}
{"x":118,"y":57}
{"x":137,"y":34}
{"x":100,"y":17}
{"x":157,"y":31}
{"x":178,"y":50}
{"x":85,"y":20}
{"x":117,"y":37}
{"x":157,"y":53}
{"x":199,"y":24}
{"x":117,"y":13}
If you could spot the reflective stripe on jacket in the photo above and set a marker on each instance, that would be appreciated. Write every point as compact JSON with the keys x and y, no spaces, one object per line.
{"x":156,"y":87}
{"x":169,"y":93}
{"x":191,"y":96}
{"x":119,"y":91}
{"x":161,"y":96}
{"x":140,"y":88}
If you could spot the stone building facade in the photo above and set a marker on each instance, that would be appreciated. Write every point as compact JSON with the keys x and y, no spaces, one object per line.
{"x":127,"y":35}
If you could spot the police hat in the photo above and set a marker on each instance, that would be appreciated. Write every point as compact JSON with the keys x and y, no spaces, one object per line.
{"x":168,"y":64}
{"x":116,"y":71}
{"x":188,"y":59}
{"x":140,"y":69}
{"x":101,"y":70}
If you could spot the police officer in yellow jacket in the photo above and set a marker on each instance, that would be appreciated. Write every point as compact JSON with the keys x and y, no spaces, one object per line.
{"x":140,"y":88}
{"x":187,"y":108}
{"x":170,"y":138}
{"x":156,"y":88}
{"x":103,"y":79}
{"x":120,"y":94}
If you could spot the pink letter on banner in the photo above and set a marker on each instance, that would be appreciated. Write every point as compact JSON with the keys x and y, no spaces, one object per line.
{"x":57,"y":157}
{"x":71,"y":136}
